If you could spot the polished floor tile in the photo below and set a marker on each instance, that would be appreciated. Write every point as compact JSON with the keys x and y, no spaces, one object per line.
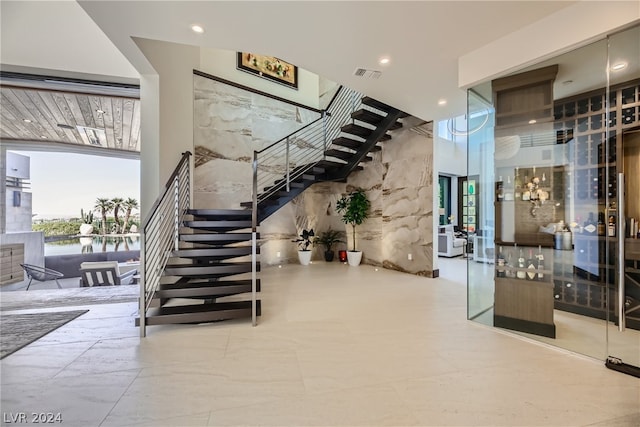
{"x":335,"y":346}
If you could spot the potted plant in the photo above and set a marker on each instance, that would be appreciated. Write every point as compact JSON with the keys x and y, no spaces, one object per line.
{"x":328,"y":239}
{"x":354,"y":208}
{"x":304,"y":241}
{"x":86,"y":228}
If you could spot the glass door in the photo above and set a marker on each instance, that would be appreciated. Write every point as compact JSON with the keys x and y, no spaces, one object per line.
{"x":623,"y":320}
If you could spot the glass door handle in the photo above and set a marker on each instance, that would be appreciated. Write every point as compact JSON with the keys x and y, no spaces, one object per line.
{"x":621,"y":238}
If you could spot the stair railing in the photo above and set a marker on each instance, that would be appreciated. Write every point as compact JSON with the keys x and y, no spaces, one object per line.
{"x":289,"y":158}
{"x":161,"y":233}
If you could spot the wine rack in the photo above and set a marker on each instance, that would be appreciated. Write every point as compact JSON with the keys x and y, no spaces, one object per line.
{"x":580,"y":284}
{"x":583,"y":119}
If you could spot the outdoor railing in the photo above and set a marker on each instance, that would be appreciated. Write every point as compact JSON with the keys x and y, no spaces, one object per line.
{"x":160,"y":233}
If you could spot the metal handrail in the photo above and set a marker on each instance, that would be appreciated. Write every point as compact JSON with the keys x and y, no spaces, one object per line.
{"x":160,"y":233}
{"x":287,"y":159}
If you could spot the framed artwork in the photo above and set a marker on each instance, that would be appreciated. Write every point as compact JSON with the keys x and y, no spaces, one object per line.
{"x":268,"y":67}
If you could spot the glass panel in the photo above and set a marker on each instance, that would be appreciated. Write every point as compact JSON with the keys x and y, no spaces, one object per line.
{"x":479,"y":191}
{"x":548,"y":167}
{"x":623,"y":156}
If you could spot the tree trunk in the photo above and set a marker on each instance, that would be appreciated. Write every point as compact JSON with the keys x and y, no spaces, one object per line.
{"x":354,"y":237}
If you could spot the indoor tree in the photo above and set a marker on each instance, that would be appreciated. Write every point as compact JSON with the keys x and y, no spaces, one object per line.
{"x":354,"y":208}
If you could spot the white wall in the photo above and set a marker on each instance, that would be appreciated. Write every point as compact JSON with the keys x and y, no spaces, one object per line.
{"x":166,"y":114}
{"x":574,"y":26}
{"x":222,"y":63}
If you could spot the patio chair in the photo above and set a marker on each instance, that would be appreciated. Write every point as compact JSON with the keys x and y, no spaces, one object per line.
{"x":41,"y":274}
{"x":104,"y":273}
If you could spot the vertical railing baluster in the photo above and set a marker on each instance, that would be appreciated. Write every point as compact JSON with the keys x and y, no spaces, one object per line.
{"x":324,"y":134}
{"x":254,"y":227}
{"x":287,"y":165}
{"x":176,"y":214}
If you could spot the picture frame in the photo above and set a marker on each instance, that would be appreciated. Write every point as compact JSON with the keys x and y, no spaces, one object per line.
{"x":268,"y":67}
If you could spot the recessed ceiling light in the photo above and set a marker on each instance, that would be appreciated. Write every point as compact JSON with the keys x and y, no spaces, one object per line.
{"x":442,"y":102}
{"x":532,"y":122}
{"x":619,"y":66}
{"x":197,"y":29}
{"x":99,"y":111}
{"x":384,"y":61}
{"x":43,"y":137}
{"x":26,"y":120}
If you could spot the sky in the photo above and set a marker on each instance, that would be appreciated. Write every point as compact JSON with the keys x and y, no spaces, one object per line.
{"x":64,"y":183}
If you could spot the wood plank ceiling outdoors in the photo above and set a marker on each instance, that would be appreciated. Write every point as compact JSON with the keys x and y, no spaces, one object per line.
{"x":49,"y":116}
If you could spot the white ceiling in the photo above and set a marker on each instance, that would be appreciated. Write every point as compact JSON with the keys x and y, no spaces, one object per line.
{"x":424,"y":39}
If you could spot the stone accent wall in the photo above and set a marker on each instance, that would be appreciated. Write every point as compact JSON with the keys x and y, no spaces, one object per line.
{"x":230,"y":123}
{"x":399,"y":184}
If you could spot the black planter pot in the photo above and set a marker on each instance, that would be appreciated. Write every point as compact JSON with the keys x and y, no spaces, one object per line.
{"x":328,"y":256}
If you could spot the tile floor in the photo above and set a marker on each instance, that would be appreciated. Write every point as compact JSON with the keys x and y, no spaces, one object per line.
{"x":335,"y":346}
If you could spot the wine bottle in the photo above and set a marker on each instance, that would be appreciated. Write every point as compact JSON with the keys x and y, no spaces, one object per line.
{"x":510,"y":272}
{"x":611,"y":228}
{"x":521,"y":273}
{"x":518,"y":185}
{"x":540,"y":263}
{"x":500,"y":262}
{"x":531,"y":266}
{"x":500,"y":190}
{"x":600,"y":226}
{"x":508,"y":189}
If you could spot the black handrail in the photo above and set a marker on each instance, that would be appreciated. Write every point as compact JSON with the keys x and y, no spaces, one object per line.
{"x":323,"y":113}
{"x":291,"y":134}
{"x":167,"y":187}
{"x":250,"y":89}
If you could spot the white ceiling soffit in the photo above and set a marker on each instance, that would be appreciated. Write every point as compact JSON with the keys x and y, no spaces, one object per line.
{"x":423,"y":39}
{"x":58,"y":38}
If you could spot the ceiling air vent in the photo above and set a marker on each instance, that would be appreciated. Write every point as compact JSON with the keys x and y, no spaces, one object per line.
{"x":65,"y":126}
{"x":367,"y":74}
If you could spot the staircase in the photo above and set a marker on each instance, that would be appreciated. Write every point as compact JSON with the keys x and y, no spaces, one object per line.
{"x":200,"y":265}
{"x":215,"y":250}
{"x":367,"y":124}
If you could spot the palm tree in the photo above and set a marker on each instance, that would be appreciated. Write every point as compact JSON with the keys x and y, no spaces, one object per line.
{"x":117,"y":204}
{"x":129,"y":204}
{"x":103,"y":206}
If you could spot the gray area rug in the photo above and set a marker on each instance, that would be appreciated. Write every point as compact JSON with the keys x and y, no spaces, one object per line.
{"x":19,"y":330}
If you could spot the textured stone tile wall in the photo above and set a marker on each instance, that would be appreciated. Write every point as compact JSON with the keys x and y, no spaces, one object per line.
{"x":399,"y":184}
{"x":229,"y":123}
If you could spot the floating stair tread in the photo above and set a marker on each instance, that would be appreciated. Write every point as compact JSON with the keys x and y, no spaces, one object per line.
{"x":344,"y":155}
{"x":223,"y":238}
{"x":376,"y":104}
{"x":367,"y":116}
{"x":331,"y":165}
{"x":347,"y":142}
{"x":200,"y":313}
{"x":206,"y":289}
{"x":211,"y":270}
{"x":213,"y":252}
{"x":250,"y":204}
{"x":221,"y":224}
{"x":226,"y":214}
{"x":395,"y":126}
{"x":385,"y":137}
{"x":357,"y":130}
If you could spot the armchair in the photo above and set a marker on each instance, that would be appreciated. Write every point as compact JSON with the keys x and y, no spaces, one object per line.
{"x":104,"y":273}
{"x":448,"y":244}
